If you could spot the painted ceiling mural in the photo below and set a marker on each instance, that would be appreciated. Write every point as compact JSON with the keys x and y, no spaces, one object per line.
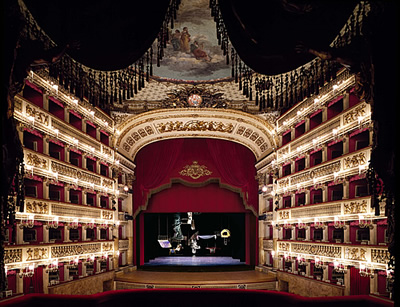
{"x":192,"y":51}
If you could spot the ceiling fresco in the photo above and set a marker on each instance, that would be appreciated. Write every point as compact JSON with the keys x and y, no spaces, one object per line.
{"x":192,"y":51}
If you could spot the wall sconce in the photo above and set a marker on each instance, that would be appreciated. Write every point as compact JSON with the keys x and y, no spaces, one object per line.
{"x":90,"y":225}
{"x":318,"y":224}
{"x":53,"y":224}
{"x":52,"y":267}
{"x":29,"y":222}
{"x":318,"y":263}
{"x":338,"y":224}
{"x":73,"y":225}
{"x":364,"y":271}
{"x":28,"y":272}
{"x":363,"y":223}
{"x":301,"y":225}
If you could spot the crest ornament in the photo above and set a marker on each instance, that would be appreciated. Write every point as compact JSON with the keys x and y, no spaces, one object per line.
{"x":195,"y":171}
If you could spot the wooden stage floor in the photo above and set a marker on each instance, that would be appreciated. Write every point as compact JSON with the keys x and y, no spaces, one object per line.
{"x":228,"y":280}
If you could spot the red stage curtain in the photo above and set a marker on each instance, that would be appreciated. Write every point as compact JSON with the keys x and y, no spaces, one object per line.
{"x":236,"y":167}
{"x":358,"y":284}
{"x":37,"y":280}
{"x":61,"y":272}
{"x":153,"y":167}
{"x":230,"y":163}
{"x":12,"y":281}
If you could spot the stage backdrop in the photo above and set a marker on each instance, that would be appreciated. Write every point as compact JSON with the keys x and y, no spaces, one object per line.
{"x":195,"y":163}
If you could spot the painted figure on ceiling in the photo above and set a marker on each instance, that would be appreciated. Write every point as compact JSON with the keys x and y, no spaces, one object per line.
{"x":185,"y":39}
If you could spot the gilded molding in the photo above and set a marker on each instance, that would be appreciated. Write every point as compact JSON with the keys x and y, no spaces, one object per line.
{"x":355,"y":207}
{"x":355,"y":253}
{"x":12,"y":255}
{"x":71,"y":250}
{"x":36,"y":161}
{"x":36,"y":207}
{"x":316,"y":249}
{"x":37,"y":253}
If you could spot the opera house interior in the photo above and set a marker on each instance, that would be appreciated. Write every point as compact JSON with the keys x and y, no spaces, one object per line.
{"x":198,"y":152}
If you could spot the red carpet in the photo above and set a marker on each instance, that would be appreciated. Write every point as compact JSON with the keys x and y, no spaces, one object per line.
{"x":193,"y":297}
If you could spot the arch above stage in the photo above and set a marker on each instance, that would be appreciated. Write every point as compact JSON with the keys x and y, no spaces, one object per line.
{"x":137,"y":131}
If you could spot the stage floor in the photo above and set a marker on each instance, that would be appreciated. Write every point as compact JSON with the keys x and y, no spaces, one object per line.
{"x":194,"y":261}
{"x":228,"y":280}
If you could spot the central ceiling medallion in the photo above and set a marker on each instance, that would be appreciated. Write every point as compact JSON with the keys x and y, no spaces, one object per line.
{"x":195,"y":97}
{"x":194,"y":100}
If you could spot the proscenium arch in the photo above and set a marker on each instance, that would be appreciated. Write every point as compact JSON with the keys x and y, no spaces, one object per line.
{"x":137,"y":131}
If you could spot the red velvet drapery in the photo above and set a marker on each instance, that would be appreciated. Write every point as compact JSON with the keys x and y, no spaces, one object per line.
{"x":358,"y":284}
{"x":230,"y":164}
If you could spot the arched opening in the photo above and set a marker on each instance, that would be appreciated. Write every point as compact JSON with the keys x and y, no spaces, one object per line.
{"x":210,"y":182}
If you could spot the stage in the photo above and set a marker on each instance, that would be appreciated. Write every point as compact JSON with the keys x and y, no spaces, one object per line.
{"x":248,"y":279}
{"x":194,"y":261}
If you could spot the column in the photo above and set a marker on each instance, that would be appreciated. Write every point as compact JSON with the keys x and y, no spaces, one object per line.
{"x":307,"y":159}
{"x":308,"y":231}
{"x":45,"y":234}
{"x":346,"y":100}
{"x":307,"y":196}
{"x":325,"y":234}
{"x":345,"y":144}
{"x":84,"y":198}
{"x":98,"y":133}
{"x":116,"y":254}
{"x":324,"y":113}
{"x":373,"y":235}
{"x":46,"y":101}
{"x":324,"y":193}
{"x":308,"y":269}
{"x":346,"y":233}
{"x":20,"y":283}
{"x":307,"y":124}
{"x":324,"y":153}
{"x":46,"y":188}
{"x":66,"y":194}
{"x":20,"y":234}
{"x":46,"y":145}
{"x":325,"y":274}
{"x":66,"y":234}
{"x":66,"y":153}
{"x":66,"y":114}
{"x":45,"y":281}
{"x":346,"y":187}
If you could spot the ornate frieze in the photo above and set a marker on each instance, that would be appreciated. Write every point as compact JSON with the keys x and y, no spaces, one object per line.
{"x":380,"y":255}
{"x":317,"y":249}
{"x":268,"y":244}
{"x":284,"y":215}
{"x":107,"y":215}
{"x":39,"y":116}
{"x":195,"y":171}
{"x":284,"y":246}
{"x":355,"y":160}
{"x":78,"y":249}
{"x":106,"y":247}
{"x":37,"y":253}
{"x":354,"y":114}
{"x":36,"y":161}
{"x":12,"y":255}
{"x":65,"y":170}
{"x":355,"y":207}
{"x":195,"y":125}
{"x":36,"y":207}
{"x":355,"y":253}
